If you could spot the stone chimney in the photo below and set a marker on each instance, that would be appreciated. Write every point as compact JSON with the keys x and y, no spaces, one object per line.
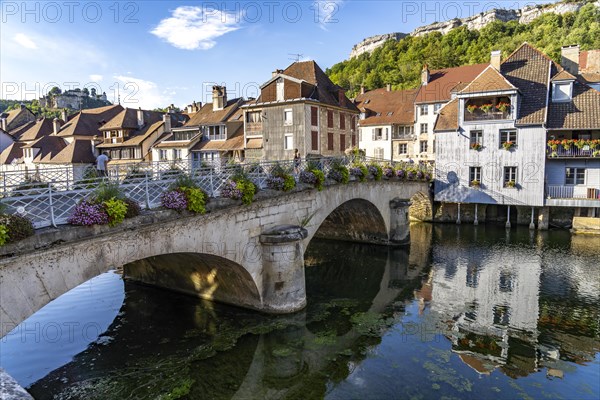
{"x":342,"y":97}
{"x":3,"y":123}
{"x":219,"y":97}
{"x":362,"y":89}
{"x":63,"y":115}
{"x":570,"y":59}
{"x":276,"y":72}
{"x":140,"y":117}
{"x":388,"y":87}
{"x":56,"y":125}
{"x":496,"y":59}
{"x":167,"y":122}
{"x":425,"y":75}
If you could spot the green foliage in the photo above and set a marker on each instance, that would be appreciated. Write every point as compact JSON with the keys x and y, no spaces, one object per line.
{"x":18,"y":227}
{"x":376,"y":170}
{"x":320,"y":178}
{"x":184,"y":181}
{"x":248,"y":190}
{"x":116,"y":210}
{"x":196,"y":199}
{"x":133,"y":208}
{"x":3,"y":235}
{"x":399,"y":63}
{"x":289,"y":183}
{"x":107,"y":191}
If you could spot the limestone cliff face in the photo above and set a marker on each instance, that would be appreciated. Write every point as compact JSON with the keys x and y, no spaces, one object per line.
{"x":478,"y":21}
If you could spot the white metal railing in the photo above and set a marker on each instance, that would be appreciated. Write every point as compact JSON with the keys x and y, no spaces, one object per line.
{"x":572,"y":192}
{"x":573,"y":151}
{"x":48,"y":197}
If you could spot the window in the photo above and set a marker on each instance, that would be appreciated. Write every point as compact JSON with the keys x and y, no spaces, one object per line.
{"x":287,"y":117}
{"x":254,"y":116}
{"x":314,"y":116}
{"x":437,"y":107}
{"x":508,"y":135}
{"x":424,"y":128}
{"x":288,"y":141}
{"x":402,"y":148}
{"x":474,"y":176}
{"x":510,"y":176}
{"x":377,"y":133}
{"x":280,"y":89}
{"x":562,"y":91}
{"x":314,"y":140}
{"x":378,"y":152}
{"x":353,"y":140}
{"x":472,"y":278}
{"x":390,"y":113}
{"x":423,"y":146}
{"x":423,"y":109}
{"x":476,"y":137}
{"x":342,"y":142}
{"x":501,"y":315}
{"x":330,"y":119}
{"x":342,"y":121}
{"x":176,"y":154}
{"x":506,"y":283}
{"x":574,"y":176}
{"x":329,"y":140}
{"x":162,"y":155}
{"x":126,"y":153}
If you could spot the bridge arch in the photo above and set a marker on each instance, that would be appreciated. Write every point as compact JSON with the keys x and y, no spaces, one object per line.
{"x":207,"y":276}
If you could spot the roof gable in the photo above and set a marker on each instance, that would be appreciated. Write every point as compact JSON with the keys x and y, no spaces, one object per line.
{"x":490,"y":80}
{"x":393,"y":107}
{"x":443,"y":81}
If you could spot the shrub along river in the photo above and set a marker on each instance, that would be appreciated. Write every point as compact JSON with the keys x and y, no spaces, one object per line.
{"x":465,"y":313}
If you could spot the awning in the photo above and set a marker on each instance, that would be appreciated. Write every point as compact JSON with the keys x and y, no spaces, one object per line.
{"x":254,"y":144}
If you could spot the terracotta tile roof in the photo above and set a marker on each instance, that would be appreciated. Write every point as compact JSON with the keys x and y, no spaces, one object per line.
{"x":12,"y":115}
{"x":136,"y":137}
{"x":563,"y":75}
{"x":490,"y":80}
{"x":17,"y":132}
{"x":12,"y":152}
{"x":527,"y":68}
{"x":49,"y":147}
{"x":40,"y":128}
{"x":590,"y":77}
{"x":88,"y":122}
{"x":442,"y":82}
{"x":583,"y":112}
{"x":447,"y":119}
{"x":235,"y":142}
{"x":79,"y":151}
{"x":206,"y":115}
{"x":161,"y":142}
{"x":393,"y":107}
{"x":127,"y":119}
{"x":325,"y":91}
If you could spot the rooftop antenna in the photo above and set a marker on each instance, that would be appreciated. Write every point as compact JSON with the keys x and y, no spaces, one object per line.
{"x":295,"y":56}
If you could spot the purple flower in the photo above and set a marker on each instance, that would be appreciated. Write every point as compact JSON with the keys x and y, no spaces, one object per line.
{"x":335,"y":175}
{"x":174,"y":200}
{"x":355,"y":171}
{"x":400,"y":173}
{"x":372,"y":170}
{"x":411,"y":175}
{"x":275,"y":182}
{"x":231,"y":191}
{"x":308,"y":177}
{"x":87,"y":213}
{"x":388,"y":172}
{"x":420,"y":175}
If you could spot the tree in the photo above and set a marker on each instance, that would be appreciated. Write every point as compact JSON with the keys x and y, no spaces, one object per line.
{"x":86,"y":91}
{"x":55,"y":91}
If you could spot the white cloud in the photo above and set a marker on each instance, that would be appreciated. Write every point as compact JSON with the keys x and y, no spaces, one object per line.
{"x":136,"y":92}
{"x":190,"y":28}
{"x":328,"y":12}
{"x":25,"y":41}
{"x":96,"y":78}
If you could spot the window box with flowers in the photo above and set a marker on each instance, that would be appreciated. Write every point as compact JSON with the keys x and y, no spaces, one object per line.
{"x":508,"y":145}
{"x":503,"y":107}
{"x":486,"y":107}
{"x":471,"y":108}
{"x":475,"y":183}
{"x":476,"y":146}
{"x":510,"y":184}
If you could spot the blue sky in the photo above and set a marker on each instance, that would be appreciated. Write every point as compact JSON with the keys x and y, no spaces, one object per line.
{"x":154,"y":53}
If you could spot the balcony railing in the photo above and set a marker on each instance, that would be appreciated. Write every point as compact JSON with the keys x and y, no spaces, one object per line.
{"x":254,"y":127}
{"x":559,"y":151}
{"x":479,"y":115}
{"x":572,"y":192}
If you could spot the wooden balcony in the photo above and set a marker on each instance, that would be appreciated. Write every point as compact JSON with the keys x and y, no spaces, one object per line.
{"x":113,"y":140}
{"x":479,"y":115}
{"x":558,"y":151}
{"x":573,"y":195}
{"x":254,"y":128}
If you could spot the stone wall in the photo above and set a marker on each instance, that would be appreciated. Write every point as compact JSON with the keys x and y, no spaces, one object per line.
{"x":421,"y":208}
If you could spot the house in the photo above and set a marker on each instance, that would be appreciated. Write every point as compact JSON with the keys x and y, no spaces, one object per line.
{"x":5,"y":140}
{"x":437,"y":88}
{"x":129,"y":136}
{"x":299,"y":108}
{"x":386,"y":122}
{"x":208,"y":136}
{"x":573,"y":136}
{"x":492,"y":140}
{"x":13,"y":119}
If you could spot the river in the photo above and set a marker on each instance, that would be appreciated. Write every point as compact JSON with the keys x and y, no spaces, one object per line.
{"x":465,"y":313}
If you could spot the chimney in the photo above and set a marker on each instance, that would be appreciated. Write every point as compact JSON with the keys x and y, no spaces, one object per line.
{"x":388,"y":87}
{"x":342,"y":97}
{"x":362,"y":89}
{"x":167,"y":122}
{"x":140,"y":117}
{"x":570,"y":59}
{"x":64,"y":115}
{"x":496,"y":59}
{"x":276,"y":72}
{"x":3,"y":123}
{"x":219,"y":97}
{"x":56,"y":125}
{"x":425,"y":75}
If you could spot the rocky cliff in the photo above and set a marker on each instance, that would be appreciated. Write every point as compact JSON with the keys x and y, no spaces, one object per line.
{"x":478,"y":21}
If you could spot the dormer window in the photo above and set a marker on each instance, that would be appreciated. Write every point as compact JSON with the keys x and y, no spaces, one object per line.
{"x":562,"y":91}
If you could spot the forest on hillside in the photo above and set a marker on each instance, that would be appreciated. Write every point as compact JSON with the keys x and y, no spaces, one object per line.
{"x":400,"y":62}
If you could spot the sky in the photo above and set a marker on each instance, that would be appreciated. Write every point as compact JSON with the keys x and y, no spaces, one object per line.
{"x":154,"y":53}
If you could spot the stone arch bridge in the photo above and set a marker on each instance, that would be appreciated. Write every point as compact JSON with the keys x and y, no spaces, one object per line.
{"x":250,"y":256}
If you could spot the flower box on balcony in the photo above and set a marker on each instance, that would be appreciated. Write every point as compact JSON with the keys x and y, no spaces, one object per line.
{"x":510,"y":184}
{"x":475,"y":184}
{"x":508,"y":145}
{"x":476,"y":146}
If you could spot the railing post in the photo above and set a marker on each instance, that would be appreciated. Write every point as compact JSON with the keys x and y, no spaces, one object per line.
{"x":210,"y":179}
{"x":67,"y":169}
{"x":147,"y":191}
{"x":51,"y":204}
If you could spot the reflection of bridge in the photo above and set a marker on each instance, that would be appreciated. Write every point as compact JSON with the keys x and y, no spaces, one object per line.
{"x":279,"y":363}
{"x":245,"y":258}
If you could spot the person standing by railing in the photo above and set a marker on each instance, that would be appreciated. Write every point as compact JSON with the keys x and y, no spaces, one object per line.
{"x":101,"y":164}
{"x":297,"y":161}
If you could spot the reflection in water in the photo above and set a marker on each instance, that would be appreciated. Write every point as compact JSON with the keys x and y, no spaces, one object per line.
{"x":468,"y":312}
